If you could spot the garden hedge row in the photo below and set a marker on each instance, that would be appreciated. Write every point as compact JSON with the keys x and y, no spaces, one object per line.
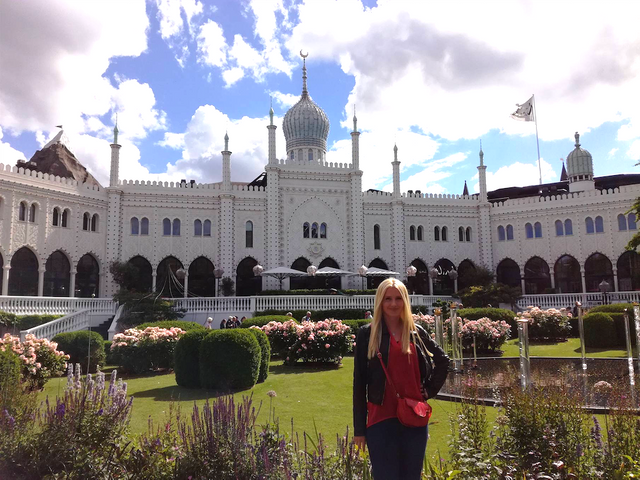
{"x":262,"y":320}
{"x":495,"y":314}
{"x":599,"y":330}
{"x":186,"y":326}
{"x":265,"y":353}
{"x":355,"y":325}
{"x":613,"y":308}
{"x":24,"y":322}
{"x":229,"y":360}
{"x":321,"y":291}
{"x":76,"y":345}
{"x":187,"y":358}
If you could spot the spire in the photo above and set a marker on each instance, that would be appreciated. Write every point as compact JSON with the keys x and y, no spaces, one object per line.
{"x":466,"y":190}
{"x":577,"y":137}
{"x":115,"y":131}
{"x":481,"y":155}
{"x":271,"y":110}
{"x":395,"y":152}
{"x":226,"y":142}
{"x":355,"y":119}
{"x":305,"y":93}
{"x":563,"y":176}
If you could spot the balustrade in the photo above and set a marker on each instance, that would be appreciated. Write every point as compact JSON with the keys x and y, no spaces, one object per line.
{"x":54,"y":305}
{"x":559,"y":300}
{"x":69,"y":323}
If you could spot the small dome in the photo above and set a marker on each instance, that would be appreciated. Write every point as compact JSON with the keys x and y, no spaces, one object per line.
{"x":305,"y":124}
{"x":579,"y":163}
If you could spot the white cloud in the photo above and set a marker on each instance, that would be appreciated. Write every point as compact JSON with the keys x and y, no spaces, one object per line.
{"x":245,"y":55}
{"x":612,"y":152}
{"x":172,"y":140}
{"x":232,"y":75}
{"x":518,"y":174}
{"x":285,"y":100}
{"x":634,"y":151}
{"x":8,"y":154}
{"x":212,"y":46}
{"x":434,"y":171}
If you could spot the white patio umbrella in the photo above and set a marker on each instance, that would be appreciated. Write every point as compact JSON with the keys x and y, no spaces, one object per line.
{"x":380,"y":272}
{"x":333,"y":272}
{"x":283,"y":272}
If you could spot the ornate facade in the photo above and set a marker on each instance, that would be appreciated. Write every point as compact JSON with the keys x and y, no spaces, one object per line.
{"x":58,"y":236}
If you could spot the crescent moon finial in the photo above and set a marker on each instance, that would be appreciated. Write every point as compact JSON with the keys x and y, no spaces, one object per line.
{"x":303,"y":55}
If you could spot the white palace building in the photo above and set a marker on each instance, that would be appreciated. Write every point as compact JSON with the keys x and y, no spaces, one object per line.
{"x":60,"y":229}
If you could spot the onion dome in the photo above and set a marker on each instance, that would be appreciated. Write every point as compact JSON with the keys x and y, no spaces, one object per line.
{"x":579,"y":163}
{"x":305,"y":125}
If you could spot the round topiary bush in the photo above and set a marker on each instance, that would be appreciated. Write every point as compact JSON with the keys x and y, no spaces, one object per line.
{"x":229,"y":359}
{"x":76,"y":345}
{"x":187,"y":358}
{"x":181,"y":324}
{"x":599,"y":330}
{"x":265,"y":353}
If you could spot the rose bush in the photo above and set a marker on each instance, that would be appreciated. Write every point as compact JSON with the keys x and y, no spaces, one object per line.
{"x":138,"y":350}
{"x":325,"y":341}
{"x":40,"y":358}
{"x":550,"y":324}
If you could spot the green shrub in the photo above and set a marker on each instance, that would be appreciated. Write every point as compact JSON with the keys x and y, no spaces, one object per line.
{"x":11,"y":389}
{"x":613,"y":308}
{"x":141,"y":350}
{"x":229,"y":359}
{"x":110,"y":357}
{"x":186,"y":326}
{"x":355,"y":325}
{"x":265,"y":353}
{"x":316,"y":315}
{"x":599,"y":330}
{"x":495,"y":314}
{"x":25,"y":322}
{"x":261,"y":321}
{"x":187,"y":358}
{"x":320,"y":291}
{"x":8,"y":319}
{"x":618,"y":321}
{"x":76,"y":345}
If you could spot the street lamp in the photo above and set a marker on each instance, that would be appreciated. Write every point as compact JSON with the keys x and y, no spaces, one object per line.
{"x":362,"y":271}
{"x":604,"y":288}
{"x":257,"y":270}
{"x":411,"y":272}
{"x":217,"y":273}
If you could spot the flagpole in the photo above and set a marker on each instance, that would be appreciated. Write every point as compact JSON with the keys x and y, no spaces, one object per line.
{"x":535,"y":118}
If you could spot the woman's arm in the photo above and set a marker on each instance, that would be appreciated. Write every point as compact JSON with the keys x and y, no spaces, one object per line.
{"x":360,"y":384}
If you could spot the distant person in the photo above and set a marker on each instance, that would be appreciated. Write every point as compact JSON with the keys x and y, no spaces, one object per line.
{"x":223,"y":323}
{"x":242,"y":320}
{"x":367,"y":315}
{"x":289,"y":314}
{"x":208,"y":323}
{"x":307,"y":317}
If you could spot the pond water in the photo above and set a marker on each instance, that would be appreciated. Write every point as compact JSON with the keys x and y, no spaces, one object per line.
{"x":493,"y":375}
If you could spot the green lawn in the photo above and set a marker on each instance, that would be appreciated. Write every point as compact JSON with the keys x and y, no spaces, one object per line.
{"x":570,"y":348}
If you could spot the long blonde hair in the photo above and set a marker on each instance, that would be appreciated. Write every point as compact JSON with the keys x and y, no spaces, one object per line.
{"x":406,"y":318}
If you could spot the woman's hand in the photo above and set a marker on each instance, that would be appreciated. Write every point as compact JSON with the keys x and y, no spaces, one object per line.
{"x":360,"y":441}
{"x":425,"y":395}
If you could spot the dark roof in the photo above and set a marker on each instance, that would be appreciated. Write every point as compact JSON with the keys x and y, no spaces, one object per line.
{"x":260,"y":181}
{"x":556,"y":188}
{"x":465,"y":191}
{"x":57,"y":159}
{"x":563,"y":175}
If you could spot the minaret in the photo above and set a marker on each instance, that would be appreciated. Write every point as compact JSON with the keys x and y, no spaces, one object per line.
{"x":482,"y":176}
{"x":115,"y":158}
{"x":396,"y":172}
{"x":355,"y":143}
{"x":226,"y":164}
{"x":272,"y":138}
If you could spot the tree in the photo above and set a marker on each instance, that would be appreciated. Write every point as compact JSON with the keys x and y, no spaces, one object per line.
{"x":227,"y":287}
{"x":126,"y":275}
{"x":635,"y":240}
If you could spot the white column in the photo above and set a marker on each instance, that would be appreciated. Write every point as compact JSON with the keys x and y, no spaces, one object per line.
{"x":523,"y":284}
{"x":153,"y":281}
{"x":553,"y":279}
{"x":41,"y":281}
{"x":615,"y":280}
{"x":584,"y":280}
{"x":430,"y":285}
{"x":72,"y":283}
{"x":186,"y":283}
{"x":5,"y":279}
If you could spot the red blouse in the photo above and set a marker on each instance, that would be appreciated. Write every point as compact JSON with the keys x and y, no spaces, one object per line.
{"x":406,"y":378}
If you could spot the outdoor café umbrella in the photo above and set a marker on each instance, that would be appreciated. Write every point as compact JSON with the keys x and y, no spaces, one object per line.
{"x":283,"y":272}
{"x":380,"y":272}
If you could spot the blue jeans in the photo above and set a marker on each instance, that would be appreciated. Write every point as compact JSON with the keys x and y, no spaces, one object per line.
{"x":396,"y":452}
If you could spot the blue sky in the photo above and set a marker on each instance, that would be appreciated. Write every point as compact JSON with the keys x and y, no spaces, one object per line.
{"x":434,"y":77}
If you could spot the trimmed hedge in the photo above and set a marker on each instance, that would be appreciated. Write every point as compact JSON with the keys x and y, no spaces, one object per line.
{"x":187,"y":358}
{"x":261,"y":321}
{"x":229,"y":359}
{"x":317,"y":315}
{"x":599,"y":330}
{"x":618,"y":321}
{"x":355,"y":325}
{"x":186,"y":326}
{"x":26,"y":322}
{"x":613,"y":308}
{"x":265,"y":353}
{"x":76,"y":345}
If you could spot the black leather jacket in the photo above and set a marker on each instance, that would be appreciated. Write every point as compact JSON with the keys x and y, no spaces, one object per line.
{"x":369,"y":381}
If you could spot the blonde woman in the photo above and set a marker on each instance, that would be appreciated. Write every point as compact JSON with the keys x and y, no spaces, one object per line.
{"x":396,"y":451}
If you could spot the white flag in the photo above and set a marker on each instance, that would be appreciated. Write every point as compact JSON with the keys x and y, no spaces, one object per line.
{"x":524,"y":111}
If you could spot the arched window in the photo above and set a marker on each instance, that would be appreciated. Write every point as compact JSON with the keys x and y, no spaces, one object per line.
{"x":197,"y":228}
{"x":32,"y":213}
{"x":310,"y":155}
{"x":206,"y":231}
{"x":135,"y":226}
{"x":65,"y":218}
{"x":466,"y":271}
{"x":167,"y":283}
{"x":94,"y":222}
{"x":567,"y":275}
{"x":537,"y":227}
{"x":536,"y":276}
{"x":23,"y":277}
{"x":86,"y":220}
{"x":88,"y":277}
{"x":176,"y":227}
{"x":509,"y":232}
{"x":568,"y":227}
{"x":622,"y":223}
{"x":631,"y":218}
{"x":374,"y":281}
{"x":420,"y":233}
{"x":461,"y":234}
{"x":599,"y":224}
{"x":56,"y":217}
{"x":166,"y":227}
{"x":323,"y":230}
{"x":305,"y":230}
{"x":629,"y":271}
{"x":376,"y":237}
{"x":588,"y":223}
{"x":467,"y":234}
{"x":412,"y":232}
{"x":436,"y":234}
{"x":444,"y":234}
{"x":420,"y":283}
{"x":501,"y":236}
{"x":596,"y":269}
{"x":57,"y":275}
{"x":314,"y":230}
{"x":142,"y":274}
{"x":22,"y":212}
{"x":144,"y":226}
{"x":559,"y":228}
{"x":201,"y":279}
{"x":508,"y":272}
{"x":528,"y":229}
{"x":249,"y":234}
{"x":246,"y":282}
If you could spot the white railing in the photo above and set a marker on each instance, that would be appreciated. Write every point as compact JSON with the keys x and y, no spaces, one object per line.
{"x":114,"y":324}
{"x":55,"y":305}
{"x":559,"y":300}
{"x":69,"y":323}
{"x":215,"y":304}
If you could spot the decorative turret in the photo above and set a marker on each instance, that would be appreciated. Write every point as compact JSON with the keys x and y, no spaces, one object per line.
{"x":306,"y":126}
{"x":272,"y":137}
{"x":226,"y":164}
{"x":115,"y":158}
{"x":482,"y":176}
{"x":465,"y":190}
{"x":396,"y":172}
{"x":580,"y":168}
{"x":355,"y":143}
